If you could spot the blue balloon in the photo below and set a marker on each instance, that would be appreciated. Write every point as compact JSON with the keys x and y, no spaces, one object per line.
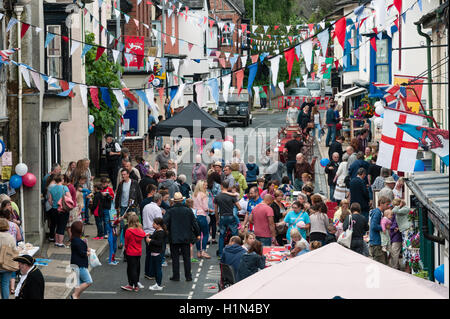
{"x":439,"y":274}
{"x":126,"y":102}
{"x":15,"y":181}
{"x":382,"y":116}
{"x":217,"y":145}
{"x":419,"y":166}
{"x":91,"y":129}
{"x":324,"y":162}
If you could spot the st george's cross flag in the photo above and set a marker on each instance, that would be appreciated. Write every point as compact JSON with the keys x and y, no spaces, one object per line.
{"x":398,"y":150}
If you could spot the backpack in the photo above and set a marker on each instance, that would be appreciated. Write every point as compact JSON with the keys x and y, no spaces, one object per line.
{"x":65,"y":204}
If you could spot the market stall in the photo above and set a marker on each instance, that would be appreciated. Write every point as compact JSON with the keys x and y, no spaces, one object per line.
{"x":333,"y":271}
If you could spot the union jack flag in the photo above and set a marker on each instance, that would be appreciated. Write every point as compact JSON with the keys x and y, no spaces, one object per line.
{"x":394,"y":95}
{"x":5,"y":54}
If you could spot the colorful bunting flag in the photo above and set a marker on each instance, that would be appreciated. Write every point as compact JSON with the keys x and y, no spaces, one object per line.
{"x":253,"y":69}
{"x":94,"y":96}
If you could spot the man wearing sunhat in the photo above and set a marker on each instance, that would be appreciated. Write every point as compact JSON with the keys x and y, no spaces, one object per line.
{"x":182,"y":227}
{"x":387,"y":190}
{"x":31,"y":284}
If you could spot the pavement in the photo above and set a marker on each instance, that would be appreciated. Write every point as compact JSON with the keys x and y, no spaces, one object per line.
{"x":57,"y":272}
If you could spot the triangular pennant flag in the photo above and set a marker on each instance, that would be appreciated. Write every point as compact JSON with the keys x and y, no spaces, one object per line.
{"x":1,"y":16}
{"x":404,"y":17}
{"x":288,"y":28}
{"x":222,"y":62}
{"x":37,"y":79}
{"x":311,"y":27}
{"x":119,"y":97}
{"x":100,"y":51}
{"x":226,"y":80}
{"x":263,"y":56}
{"x":276,"y":27}
{"x":289,"y":55}
{"x":94,"y":96}
{"x":398,"y":5}
{"x":307,"y":53}
{"x":380,"y":35}
{"x":37,"y":29}
{"x":323,"y":38}
{"x":281,"y":86}
{"x":25,"y":74}
{"x":130,"y":95}
{"x":169,"y":12}
{"x":115,"y":55}
{"x":25,"y":27}
{"x":86,"y":48}
{"x":298,"y":81}
{"x":49,"y":38}
{"x":253,"y":69}
{"x":233,"y":60}
{"x":266,"y":27}
{"x":340,"y":31}
{"x":239,"y":80}
{"x":254,"y":58}
{"x":373,"y":43}
{"x":136,"y":22}
{"x":128,"y":58}
{"x":297,"y":51}
{"x":305,"y":79}
{"x":213,"y":86}
{"x":190,"y":45}
{"x":127,"y":17}
{"x":274,"y":65}
{"x":254,"y":27}
{"x":83,"y":94}
{"x":227,"y":55}
{"x":173,"y":39}
{"x":11,"y":23}
{"x":143,"y":96}
{"x":419,"y":2}
{"x":75,"y":46}
{"x":244,"y":60}
{"x":105,"y":96}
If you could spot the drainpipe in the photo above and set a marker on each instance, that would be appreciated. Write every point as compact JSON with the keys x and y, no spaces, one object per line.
{"x":429,"y":80}
{"x":18,"y":9}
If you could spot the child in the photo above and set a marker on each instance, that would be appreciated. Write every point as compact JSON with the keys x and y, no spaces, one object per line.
{"x":190,"y":204}
{"x":113,"y":233}
{"x":142,"y":166}
{"x":82,"y":182}
{"x":133,"y":249}
{"x":155,"y":243}
{"x":386,"y":223}
{"x":260,"y":182}
{"x":286,"y":186}
{"x":108,"y":197}
{"x":249,"y":239}
{"x":171,"y":166}
{"x":97,"y":208}
{"x":299,"y":249}
{"x":297,"y":237}
{"x":331,"y":236}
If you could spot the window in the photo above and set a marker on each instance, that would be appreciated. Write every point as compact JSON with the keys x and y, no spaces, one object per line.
{"x":380,"y":64}
{"x":227,"y":36}
{"x":54,"y":56}
{"x":382,"y":61}
{"x":352,"y":62}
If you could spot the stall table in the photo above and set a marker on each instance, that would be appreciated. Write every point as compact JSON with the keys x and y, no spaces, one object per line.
{"x":275,"y":254}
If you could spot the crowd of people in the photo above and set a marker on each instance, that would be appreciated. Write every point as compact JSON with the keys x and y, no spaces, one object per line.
{"x":246,"y":205}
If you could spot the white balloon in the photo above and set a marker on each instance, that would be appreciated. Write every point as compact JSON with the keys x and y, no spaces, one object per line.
{"x":91,"y":119}
{"x":379,"y":109}
{"x":21,"y":169}
{"x":227,"y":146}
{"x":122,"y":110}
{"x":378,"y":122}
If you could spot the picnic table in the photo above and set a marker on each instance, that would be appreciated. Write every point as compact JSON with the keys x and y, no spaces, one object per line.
{"x":275,"y":254}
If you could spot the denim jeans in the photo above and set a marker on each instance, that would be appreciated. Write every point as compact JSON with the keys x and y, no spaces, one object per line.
{"x":204,"y":230}
{"x":266,"y":241}
{"x":106,"y":221}
{"x":290,"y":165}
{"x":99,"y":224}
{"x":86,"y":204}
{"x":5,"y":277}
{"x":317,"y":128}
{"x":156,"y":268}
{"x":226,"y":222}
{"x":112,"y":241}
{"x":332,"y":189}
{"x":122,"y":225}
{"x":331,"y":134}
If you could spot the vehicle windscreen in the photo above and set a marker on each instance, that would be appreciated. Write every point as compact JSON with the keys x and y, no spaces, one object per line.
{"x":299,"y":92}
{"x":313,"y":86}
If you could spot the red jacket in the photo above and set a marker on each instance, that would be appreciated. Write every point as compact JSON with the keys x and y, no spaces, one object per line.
{"x":110,"y":191}
{"x":133,"y":241}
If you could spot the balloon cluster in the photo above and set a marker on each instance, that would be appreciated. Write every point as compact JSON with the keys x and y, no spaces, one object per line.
{"x":324,"y":162}
{"x":91,"y":124}
{"x":22,"y":176}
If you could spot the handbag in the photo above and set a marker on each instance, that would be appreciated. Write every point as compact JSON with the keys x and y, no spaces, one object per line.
{"x":65,"y":203}
{"x":7,"y":254}
{"x":345,"y":239}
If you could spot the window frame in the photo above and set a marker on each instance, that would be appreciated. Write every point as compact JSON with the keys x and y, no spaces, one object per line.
{"x":349,"y":49}
{"x":374,"y":92}
{"x":227,"y":34}
{"x":48,"y":56}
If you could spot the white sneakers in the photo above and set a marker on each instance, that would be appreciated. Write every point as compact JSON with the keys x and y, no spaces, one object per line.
{"x":155,"y":287}
{"x":141,"y":286}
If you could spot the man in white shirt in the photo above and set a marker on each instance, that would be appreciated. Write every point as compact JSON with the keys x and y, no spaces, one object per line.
{"x":149,"y":213}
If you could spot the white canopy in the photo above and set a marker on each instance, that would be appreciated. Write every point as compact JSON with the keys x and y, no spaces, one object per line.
{"x":353,"y":91}
{"x":332,"y":271}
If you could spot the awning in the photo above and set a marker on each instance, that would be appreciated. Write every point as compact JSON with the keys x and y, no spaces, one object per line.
{"x":354,"y":91}
{"x":431,"y":189}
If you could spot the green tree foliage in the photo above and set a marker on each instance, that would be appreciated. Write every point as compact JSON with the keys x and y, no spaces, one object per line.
{"x":269,"y":12}
{"x":102,"y":73}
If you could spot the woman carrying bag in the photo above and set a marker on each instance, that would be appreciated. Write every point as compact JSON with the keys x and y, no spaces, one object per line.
{"x":7,"y":253}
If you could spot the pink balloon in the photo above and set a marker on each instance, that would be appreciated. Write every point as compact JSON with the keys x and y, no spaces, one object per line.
{"x":29,"y":180}
{"x":229,"y":138}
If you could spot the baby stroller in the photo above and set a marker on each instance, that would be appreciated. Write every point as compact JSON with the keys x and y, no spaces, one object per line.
{"x":227,"y":278}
